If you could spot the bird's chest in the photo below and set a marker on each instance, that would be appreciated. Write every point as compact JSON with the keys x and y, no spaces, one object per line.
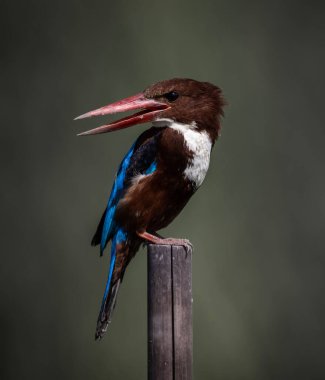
{"x":199,"y":145}
{"x":190,"y":149}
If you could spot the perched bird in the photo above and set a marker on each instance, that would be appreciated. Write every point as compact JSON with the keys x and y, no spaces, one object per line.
{"x":159,"y":174}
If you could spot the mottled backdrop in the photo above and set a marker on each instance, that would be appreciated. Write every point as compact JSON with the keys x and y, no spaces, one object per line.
{"x":257,"y":223}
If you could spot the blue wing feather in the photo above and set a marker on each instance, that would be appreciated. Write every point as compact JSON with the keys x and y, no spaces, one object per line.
{"x":151,"y":168}
{"x":109,"y":225}
{"x":140,"y":159}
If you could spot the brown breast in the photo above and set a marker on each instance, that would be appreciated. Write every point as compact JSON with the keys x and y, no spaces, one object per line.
{"x":154,"y":200}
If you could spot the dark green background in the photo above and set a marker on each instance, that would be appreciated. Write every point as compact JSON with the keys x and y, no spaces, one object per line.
{"x":257,"y":224}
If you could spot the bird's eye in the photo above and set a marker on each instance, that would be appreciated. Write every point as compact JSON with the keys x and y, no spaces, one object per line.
{"x":171,"y":96}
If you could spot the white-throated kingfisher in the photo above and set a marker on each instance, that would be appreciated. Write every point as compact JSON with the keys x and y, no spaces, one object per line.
{"x":159,"y":174}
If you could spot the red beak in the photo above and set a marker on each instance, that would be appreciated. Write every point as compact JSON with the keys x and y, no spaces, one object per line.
{"x":150,"y":108}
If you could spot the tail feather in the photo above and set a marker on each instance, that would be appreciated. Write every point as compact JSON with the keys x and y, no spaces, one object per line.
{"x":111,"y":288}
{"x":105,"y":315}
{"x":122,"y":250}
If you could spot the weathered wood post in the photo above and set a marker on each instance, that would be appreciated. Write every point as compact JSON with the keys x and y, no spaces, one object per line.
{"x":170,"y":336}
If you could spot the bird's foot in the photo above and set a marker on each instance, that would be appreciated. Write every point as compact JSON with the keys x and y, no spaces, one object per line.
{"x":166,"y":241}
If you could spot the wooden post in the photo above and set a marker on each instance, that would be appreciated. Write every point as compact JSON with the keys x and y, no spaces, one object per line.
{"x":170,"y":336}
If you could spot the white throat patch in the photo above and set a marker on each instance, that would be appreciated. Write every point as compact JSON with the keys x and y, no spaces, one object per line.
{"x":199,"y":144}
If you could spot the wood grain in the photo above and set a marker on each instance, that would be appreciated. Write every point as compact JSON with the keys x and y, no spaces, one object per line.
{"x":170,"y":337}
{"x":182,"y":313}
{"x":160,"y":323}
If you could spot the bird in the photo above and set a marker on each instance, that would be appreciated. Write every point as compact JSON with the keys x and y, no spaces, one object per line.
{"x":158,"y":175}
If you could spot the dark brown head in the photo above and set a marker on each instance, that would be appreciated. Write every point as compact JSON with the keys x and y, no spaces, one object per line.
{"x":190,"y":101}
{"x":185,"y":101}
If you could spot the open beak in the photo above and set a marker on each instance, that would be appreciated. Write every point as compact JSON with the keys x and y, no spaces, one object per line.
{"x":150,"y":108}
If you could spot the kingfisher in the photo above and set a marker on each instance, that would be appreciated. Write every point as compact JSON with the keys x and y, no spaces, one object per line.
{"x":158,"y":175}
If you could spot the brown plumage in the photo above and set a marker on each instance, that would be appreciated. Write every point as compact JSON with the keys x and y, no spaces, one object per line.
{"x":161,"y":172}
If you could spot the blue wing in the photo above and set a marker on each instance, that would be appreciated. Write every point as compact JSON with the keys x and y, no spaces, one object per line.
{"x":140,"y":159}
{"x":117,"y":190}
